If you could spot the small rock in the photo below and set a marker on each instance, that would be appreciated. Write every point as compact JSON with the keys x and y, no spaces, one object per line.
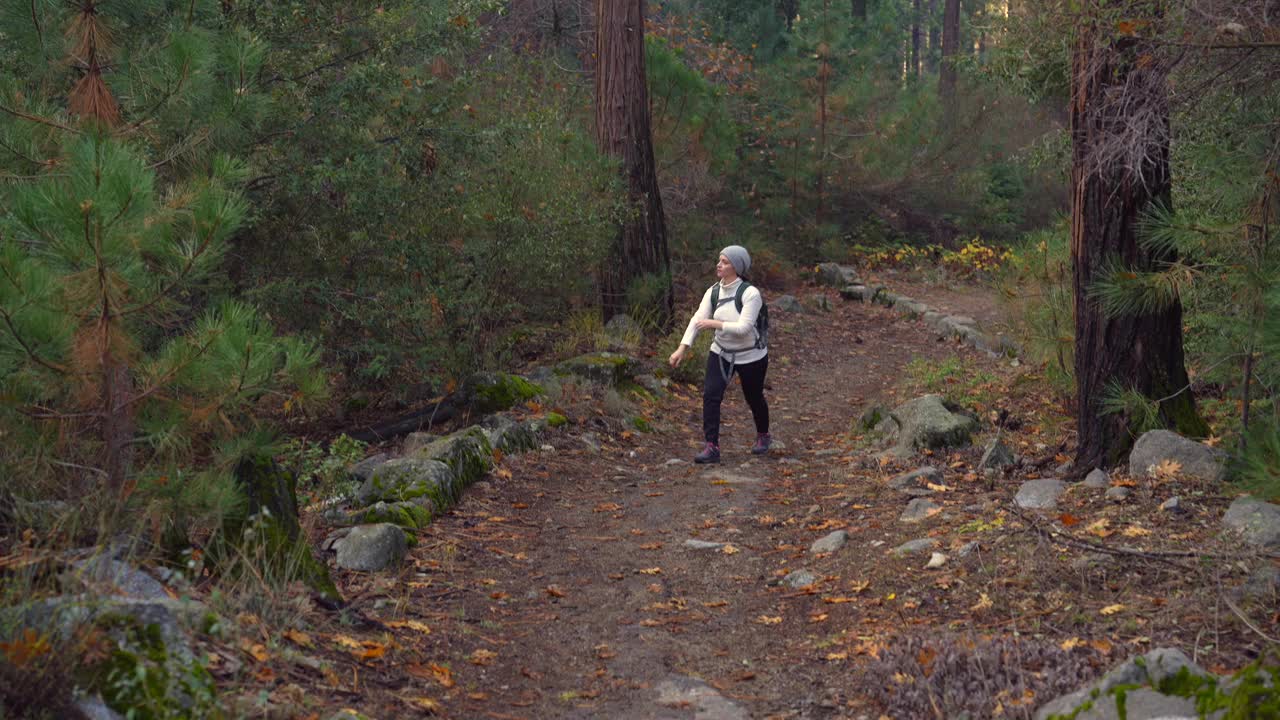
{"x":363,"y":469}
{"x":1257,"y":522}
{"x":1160,"y":446}
{"x":836,"y":275}
{"x":93,"y":708}
{"x":914,"y":546}
{"x":547,"y":448}
{"x":919,"y":509}
{"x":830,"y":543}
{"x":675,"y":461}
{"x":1064,"y":469}
{"x":998,"y":455}
{"x":591,"y":441}
{"x":799,"y":579}
{"x":936,"y":560}
{"x":1097,"y":479}
{"x":693,"y":544}
{"x":1118,"y":494}
{"x":821,"y":302}
{"x":968,"y":549}
{"x":1039,"y":494}
{"x":369,"y":548}
{"x":787,"y":303}
{"x":917,"y":481}
{"x":1172,"y":505}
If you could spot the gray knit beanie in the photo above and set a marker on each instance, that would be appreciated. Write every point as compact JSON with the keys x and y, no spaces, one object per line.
{"x":739,"y":257}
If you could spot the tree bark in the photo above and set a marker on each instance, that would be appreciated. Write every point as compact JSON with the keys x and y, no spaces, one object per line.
{"x":859,"y":10}
{"x":1141,"y":352}
{"x":623,"y":131}
{"x":935,"y":38}
{"x":950,"y":44}
{"x":914,"y":71}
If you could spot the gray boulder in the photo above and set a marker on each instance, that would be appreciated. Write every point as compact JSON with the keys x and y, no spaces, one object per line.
{"x":1039,"y":494}
{"x":917,"y":481}
{"x":361,"y":471}
{"x":857,"y":293}
{"x":930,"y":422}
{"x":510,"y":435}
{"x":829,"y":543}
{"x":799,"y":578}
{"x":605,"y":368}
{"x":835,"y":275}
{"x":915,"y":546}
{"x":997,"y":456}
{"x":370,"y":548}
{"x":1145,"y":670}
{"x":467,"y":453}
{"x":110,"y":576}
{"x":919,"y":509}
{"x":1197,"y":459}
{"x":419,"y":479}
{"x":820,"y":302}
{"x":1097,"y":479}
{"x":415,"y":441}
{"x":1118,"y":493}
{"x":1256,"y":522}
{"x":787,"y":303}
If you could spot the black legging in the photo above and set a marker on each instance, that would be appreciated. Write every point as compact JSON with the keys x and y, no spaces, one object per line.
{"x":714,"y":385}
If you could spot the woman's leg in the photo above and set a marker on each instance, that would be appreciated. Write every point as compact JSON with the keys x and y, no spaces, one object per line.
{"x":752,"y":375}
{"x":712,"y":395}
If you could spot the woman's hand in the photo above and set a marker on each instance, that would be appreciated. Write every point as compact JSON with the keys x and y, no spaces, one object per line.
{"x":708,"y":324}
{"x":677,"y":357}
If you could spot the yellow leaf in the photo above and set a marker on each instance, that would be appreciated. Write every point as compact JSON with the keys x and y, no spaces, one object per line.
{"x":299,"y":638}
{"x":984,"y":603}
{"x":715,"y":603}
{"x":938,"y":488}
{"x":1112,"y":609}
{"x":1166,"y":468}
{"x":1101,"y":528}
{"x":483,"y":657}
{"x":257,"y":650}
{"x":769,"y":620}
{"x":411,"y":625}
{"x":424,"y":703}
{"x":837,"y":656}
{"x":729,"y":550}
{"x":1071,"y":643}
{"x":1135,"y":531}
{"x":650,"y":571}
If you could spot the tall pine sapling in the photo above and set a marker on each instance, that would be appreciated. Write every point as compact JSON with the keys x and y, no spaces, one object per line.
{"x":119,"y":364}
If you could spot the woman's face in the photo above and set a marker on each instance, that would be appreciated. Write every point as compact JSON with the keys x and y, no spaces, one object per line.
{"x":724,"y":269}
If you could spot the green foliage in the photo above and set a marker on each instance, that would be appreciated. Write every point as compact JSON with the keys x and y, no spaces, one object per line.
{"x":1259,"y":465}
{"x":321,"y":470}
{"x":1035,"y":287}
{"x":953,"y":379}
{"x":1140,"y":412}
{"x":419,"y":201}
{"x":144,"y":678}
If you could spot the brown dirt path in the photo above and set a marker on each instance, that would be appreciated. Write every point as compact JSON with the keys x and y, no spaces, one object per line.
{"x":567,"y":590}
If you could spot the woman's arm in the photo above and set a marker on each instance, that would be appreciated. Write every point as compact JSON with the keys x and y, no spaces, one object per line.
{"x":703,"y":313}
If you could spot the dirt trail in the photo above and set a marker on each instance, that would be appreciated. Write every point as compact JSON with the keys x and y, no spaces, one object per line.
{"x":568,"y":589}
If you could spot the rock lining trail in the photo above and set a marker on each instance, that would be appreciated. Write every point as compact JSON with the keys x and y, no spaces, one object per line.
{"x":629,"y":583}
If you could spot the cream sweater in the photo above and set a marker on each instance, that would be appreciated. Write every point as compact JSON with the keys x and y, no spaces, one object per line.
{"x":738,"y":336}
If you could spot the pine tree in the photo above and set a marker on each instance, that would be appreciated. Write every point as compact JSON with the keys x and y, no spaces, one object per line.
{"x":121,"y":362}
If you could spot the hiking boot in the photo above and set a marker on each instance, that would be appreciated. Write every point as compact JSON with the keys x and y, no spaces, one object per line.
{"x":763,"y":442}
{"x":709,"y":454}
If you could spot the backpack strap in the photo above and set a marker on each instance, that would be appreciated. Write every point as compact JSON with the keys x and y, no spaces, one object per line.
{"x":737,"y":297}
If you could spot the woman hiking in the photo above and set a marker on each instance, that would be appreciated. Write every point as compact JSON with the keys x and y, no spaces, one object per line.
{"x":732,"y":308}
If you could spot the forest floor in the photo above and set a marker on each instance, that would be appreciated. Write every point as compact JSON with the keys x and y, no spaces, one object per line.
{"x":563,"y":587}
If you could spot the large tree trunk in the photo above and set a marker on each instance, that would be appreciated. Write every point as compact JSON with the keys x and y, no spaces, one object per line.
{"x":1110,"y":197}
{"x":859,"y":9}
{"x":913,"y":72}
{"x":950,"y":44}
{"x":622,"y":131}
{"x":935,"y":38}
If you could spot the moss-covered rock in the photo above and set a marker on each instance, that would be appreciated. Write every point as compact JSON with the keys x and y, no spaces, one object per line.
{"x":406,"y":514}
{"x":467,"y":453}
{"x":266,"y":528}
{"x":422,"y":480}
{"x":494,"y":391}
{"x":510,"y":435}
{"x":605,"y":368}
{"x":556,"y":420}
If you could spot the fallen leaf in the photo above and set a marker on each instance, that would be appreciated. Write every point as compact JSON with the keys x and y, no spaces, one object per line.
{"x":1071,"y":644}
{"x":715,"y":603}
{"x":649,"y":622}
{"x":257,"y":651}
{"x":417,"y":625}
{"x":650,"y":571}
{"x":607,"y":507}
{"x":729,"y":550}
{"x":1112,"y":609}
{"x":818,"y":617}
{"x":769,"y":620}
{"x":1135,"y":531}
{"x":837,"y":656}
{"x":1068,"y":520}
{"x":651,"y":546}
{"x":1166,"y":469}
{"x":984,"y":603}
{"x":1101,"y":528}
{"x":554,"y":591}
{"x":299,"y":638}
{"x":483,"y":657}
{"x":938,"y":488}
{"x":432,"y":671}
{"x":423,"y":703}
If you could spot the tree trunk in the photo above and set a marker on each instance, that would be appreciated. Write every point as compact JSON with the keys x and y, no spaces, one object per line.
{"x":914,"y":70}
{"x":622,"y":131}
{"x":788,"y":9}
{"x":950,"y":44}
{"x":1140,"y":352}
{"x":859,"y":9}
{"x":935,"y":38}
